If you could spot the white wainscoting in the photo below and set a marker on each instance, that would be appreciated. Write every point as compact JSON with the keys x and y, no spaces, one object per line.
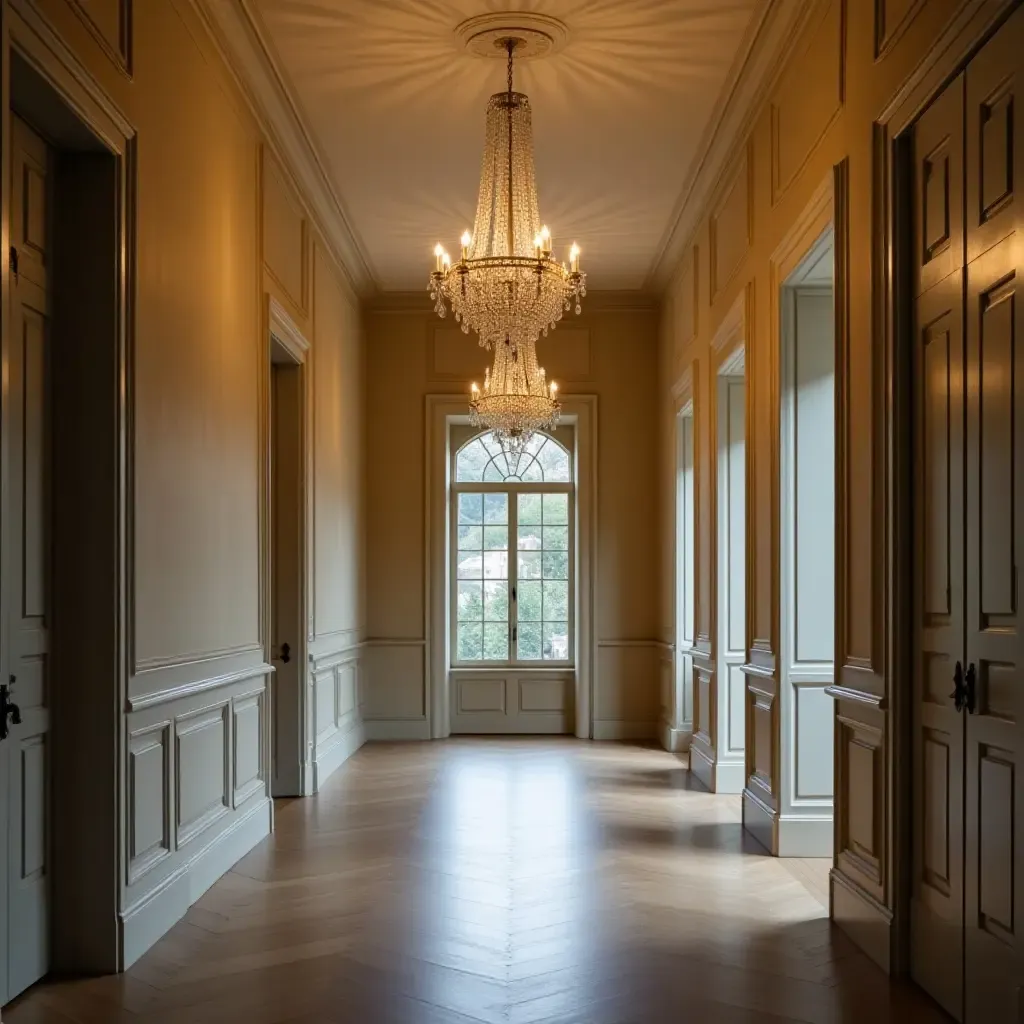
{"x":197,"y":795}
{"x":395,"y":689}
{"x":513,"y":701}
{"x":335,"y":679}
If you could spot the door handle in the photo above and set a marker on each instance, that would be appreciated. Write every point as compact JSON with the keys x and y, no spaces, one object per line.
{"x":970,"y":689}
{"x":959,"y":693}
{"x":286,"y":653}
{"x":8,"y":709}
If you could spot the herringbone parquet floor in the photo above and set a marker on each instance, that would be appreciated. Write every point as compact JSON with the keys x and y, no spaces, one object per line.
{"x":505,"y":882}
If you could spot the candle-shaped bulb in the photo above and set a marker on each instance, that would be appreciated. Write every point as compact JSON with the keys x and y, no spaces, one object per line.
{"x":438,"y":253}
{"x":574,"y":257}
{"x":538,"y":243}
{"x":545,"y":238}
{"x":466,"y":239}
{"x":446,"y":261}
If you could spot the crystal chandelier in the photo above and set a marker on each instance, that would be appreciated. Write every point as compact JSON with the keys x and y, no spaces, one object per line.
{"x":516,"y":400}
{"x":507,"y":286}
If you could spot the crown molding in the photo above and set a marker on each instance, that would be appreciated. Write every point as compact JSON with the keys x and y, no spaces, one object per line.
{"x":595,"y":302}
{"x":750,"y":83}
{"x":241,"y":40}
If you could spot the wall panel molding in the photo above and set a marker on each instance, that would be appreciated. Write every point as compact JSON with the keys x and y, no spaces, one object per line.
{"x":202,"y":770}
{"x":892,"y":19}
{"x":796,"y":131}
{"x":150,"y":796}
{"x":110,"y":23}
{"x":731,"y":225}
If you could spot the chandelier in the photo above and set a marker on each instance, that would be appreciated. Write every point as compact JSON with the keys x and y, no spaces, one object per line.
{"x":516,"y":400}
{"x":507,"y":286}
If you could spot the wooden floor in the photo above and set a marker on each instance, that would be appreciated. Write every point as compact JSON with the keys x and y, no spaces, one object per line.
{"x":506,"y":882}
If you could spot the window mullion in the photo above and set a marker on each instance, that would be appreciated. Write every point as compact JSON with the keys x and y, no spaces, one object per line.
{"x":513,"y":576}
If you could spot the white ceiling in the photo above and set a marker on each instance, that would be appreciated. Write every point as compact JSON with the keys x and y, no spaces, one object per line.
{"x":397,"y":110}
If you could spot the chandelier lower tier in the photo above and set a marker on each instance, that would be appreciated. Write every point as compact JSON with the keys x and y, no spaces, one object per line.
{"x":507,"y":286}
{"x":516,"y":400}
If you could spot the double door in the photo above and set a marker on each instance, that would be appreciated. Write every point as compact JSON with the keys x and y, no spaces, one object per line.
{"x":967,"y":900}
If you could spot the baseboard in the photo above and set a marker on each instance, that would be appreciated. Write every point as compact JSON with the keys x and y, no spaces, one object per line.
{"x":380,"y":729}
{"x":759,"y":820}
{"x":675,"y":741}
{"x":805,"y":836}
{"x":330,"y":760}
{"x":702,"y":766}
{"x":612,"y":729}
{"x":146,"y":921}
{"x":866,"y":921}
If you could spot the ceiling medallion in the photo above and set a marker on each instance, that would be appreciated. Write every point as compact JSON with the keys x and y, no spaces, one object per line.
{"x":507,"y":286}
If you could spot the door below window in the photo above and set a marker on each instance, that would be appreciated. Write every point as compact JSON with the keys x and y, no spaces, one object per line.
{"x":513,"y":701}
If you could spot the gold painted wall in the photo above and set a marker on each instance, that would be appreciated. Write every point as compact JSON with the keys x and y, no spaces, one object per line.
{"x":610,"y":352}
{"x":851,"y":59}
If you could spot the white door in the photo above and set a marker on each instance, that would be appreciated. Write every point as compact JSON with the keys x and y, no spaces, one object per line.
{"x":25,"y":750}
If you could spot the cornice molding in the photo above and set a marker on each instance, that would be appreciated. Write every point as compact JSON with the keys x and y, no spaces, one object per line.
{"x":238,"y":34}
{"x":595,"y":302}
{"x":748,"y":88}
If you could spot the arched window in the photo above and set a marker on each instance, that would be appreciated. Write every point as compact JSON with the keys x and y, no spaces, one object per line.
{"x":512,"y":552}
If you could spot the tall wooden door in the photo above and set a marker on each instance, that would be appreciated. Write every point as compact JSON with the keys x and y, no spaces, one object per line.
{"x":967,"y":899}
{"x":938,"y":869}
{"x":26,"y":570}
{"x":993,"y":656}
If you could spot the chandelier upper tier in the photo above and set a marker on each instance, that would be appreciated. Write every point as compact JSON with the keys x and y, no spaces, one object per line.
{"x":507,"y":286}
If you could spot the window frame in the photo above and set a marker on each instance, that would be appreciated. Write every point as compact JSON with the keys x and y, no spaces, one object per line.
{"x":512,"y":488}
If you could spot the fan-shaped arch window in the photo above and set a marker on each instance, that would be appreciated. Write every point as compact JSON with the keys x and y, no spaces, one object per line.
{"x":482,"y":460}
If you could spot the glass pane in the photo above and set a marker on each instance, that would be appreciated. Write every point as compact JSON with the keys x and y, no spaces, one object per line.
{"x":556,"y":509}
{"x":496,"y":508}
{"x":556,"y":641}
{"x":495,"y":607}
{"x":471,"y":565}
{"x":529,"y":509}
{"x":492,"y":474}
{"x":556,"y":565}
{"x":531,"y":471}
{"x":470,"y":602}
{"x":469,"y":465}
{"x":556,"y":538}
{"x":470,"y":641}
{"x":530,"y":538}
{"x":529,"y":565}
{"x":471,"y":538}
{"x":555,"y":461}
{"x":495,"y":641}
{"x":495,"y":565}
{"x":556,"y":600}
{"x":492,"y":445}
{"x":496,"y":538}
{"x":528,"y":645}
{"x":471,"y":508}
{"x":530,"y":596}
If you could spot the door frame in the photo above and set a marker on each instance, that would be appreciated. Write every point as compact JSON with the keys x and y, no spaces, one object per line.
{"x":86,"y":927}
{"x":441,"y":410}
{"x":279,"y":327}
{"x":893,"y":314}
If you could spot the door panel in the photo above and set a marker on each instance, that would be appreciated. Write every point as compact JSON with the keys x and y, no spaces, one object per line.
{"x":27,"y":567}
{"x":938,"y":231}
{"x":994,"y":811}
{"x":937,"y":892}
{"x":995,"y":142}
